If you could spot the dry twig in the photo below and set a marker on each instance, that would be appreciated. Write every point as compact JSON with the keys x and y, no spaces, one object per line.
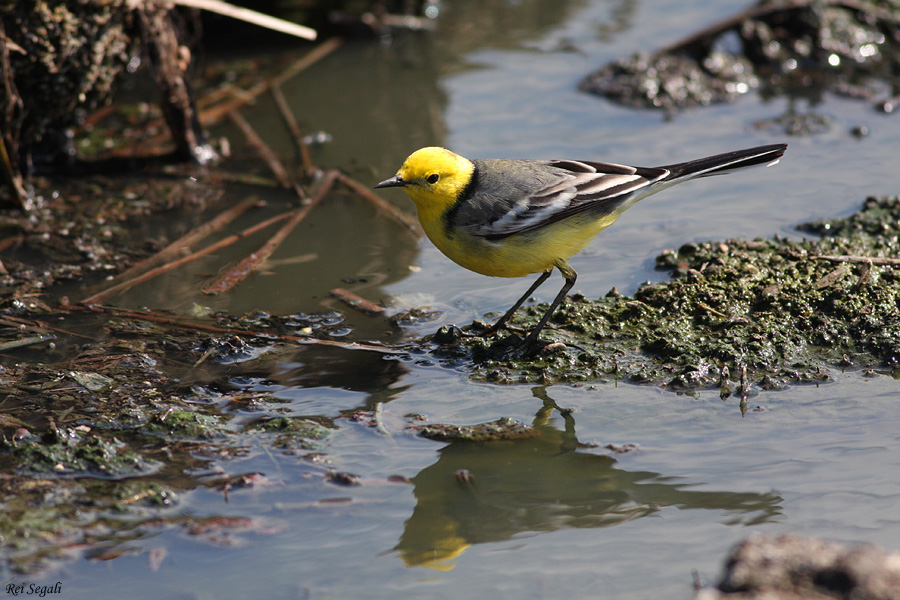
{"x":832,"y":277}
{"x":250,"y":16}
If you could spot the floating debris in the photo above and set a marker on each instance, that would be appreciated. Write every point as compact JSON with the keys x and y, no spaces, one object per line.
{"x":67,"y":454}
{"x":93,"y":382}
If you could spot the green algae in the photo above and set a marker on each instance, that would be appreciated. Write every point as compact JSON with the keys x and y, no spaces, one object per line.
{"x":98,"y":448}
{"x":295,"y":433}
{"x":503,"y":428}
{"x":67,"y":454}
{"x":185,"y":425}
{"x":44,"y":522}
{"x":43,"y":519}
{"x":736,"y":315}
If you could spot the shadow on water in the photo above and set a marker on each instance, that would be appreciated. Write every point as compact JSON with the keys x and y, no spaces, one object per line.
{"x":494,"y":491}
{"x":328,"y":370}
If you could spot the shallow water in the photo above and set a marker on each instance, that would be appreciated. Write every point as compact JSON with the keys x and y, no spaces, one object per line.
{"x":561,"y":516}
{"x":541,"y":517}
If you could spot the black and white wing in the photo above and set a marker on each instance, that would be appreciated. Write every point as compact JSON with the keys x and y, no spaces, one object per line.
{"x":516,"y":196}
{"x":506,"y":197}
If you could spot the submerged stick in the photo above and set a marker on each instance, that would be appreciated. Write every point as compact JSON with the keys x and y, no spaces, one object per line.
{"x":11,"y":177}
{"x":408,"y":222}
{"x":173,"y":321}
{"x":18,"y":321}
{"x":367,"y":307}
{"x":307,"y":60}
{"x":224,"y":242}
{"x":263,"y":150}
{"x":218,"y":176}
{"x":29,"y":341}
{"x":237,"y":98}
{"x":10,"y":242}
{"x":291,"y":122}
{"x":196,"y":234}
{"x":242,"y":97}
{"x":240,"y":271}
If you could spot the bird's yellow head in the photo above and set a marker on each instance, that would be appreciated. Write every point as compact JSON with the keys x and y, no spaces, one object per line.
{"x":433,"y":177}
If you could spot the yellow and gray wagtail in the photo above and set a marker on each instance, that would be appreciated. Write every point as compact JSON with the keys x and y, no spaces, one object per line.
{"x":511,"y":218}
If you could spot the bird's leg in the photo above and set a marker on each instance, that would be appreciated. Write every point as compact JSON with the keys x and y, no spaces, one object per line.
{"x":501,"y":322}
{"x":570,"y":275}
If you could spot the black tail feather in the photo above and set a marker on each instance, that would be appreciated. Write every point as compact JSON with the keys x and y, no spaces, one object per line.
{"x":727,"y":162}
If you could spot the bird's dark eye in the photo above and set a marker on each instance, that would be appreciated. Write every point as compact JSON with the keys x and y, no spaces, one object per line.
{"x":433,"y":178}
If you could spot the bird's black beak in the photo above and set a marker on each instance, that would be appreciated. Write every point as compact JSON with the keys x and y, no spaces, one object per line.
{"x":395,"y":181}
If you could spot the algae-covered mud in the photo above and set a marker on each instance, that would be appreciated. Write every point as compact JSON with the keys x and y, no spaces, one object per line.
{"x":96,"y":450}
{"x":89,"y":473}
{"x":737,"y":315}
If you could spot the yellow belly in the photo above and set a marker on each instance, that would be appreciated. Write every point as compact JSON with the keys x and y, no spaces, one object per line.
{"x":520,"y":254}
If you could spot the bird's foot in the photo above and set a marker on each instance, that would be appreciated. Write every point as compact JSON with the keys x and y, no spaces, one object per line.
{"x":480,"y":330}
{"x":521,"y":344}
{"x":522,"y":347}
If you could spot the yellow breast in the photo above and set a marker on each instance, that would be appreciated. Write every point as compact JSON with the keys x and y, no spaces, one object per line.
{"x":520,"y":254}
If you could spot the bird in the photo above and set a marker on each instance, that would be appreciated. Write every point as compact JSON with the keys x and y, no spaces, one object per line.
{"x":516,"y":217}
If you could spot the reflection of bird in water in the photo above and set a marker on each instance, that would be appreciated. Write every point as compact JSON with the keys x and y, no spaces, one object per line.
{"x":541,"y":483}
